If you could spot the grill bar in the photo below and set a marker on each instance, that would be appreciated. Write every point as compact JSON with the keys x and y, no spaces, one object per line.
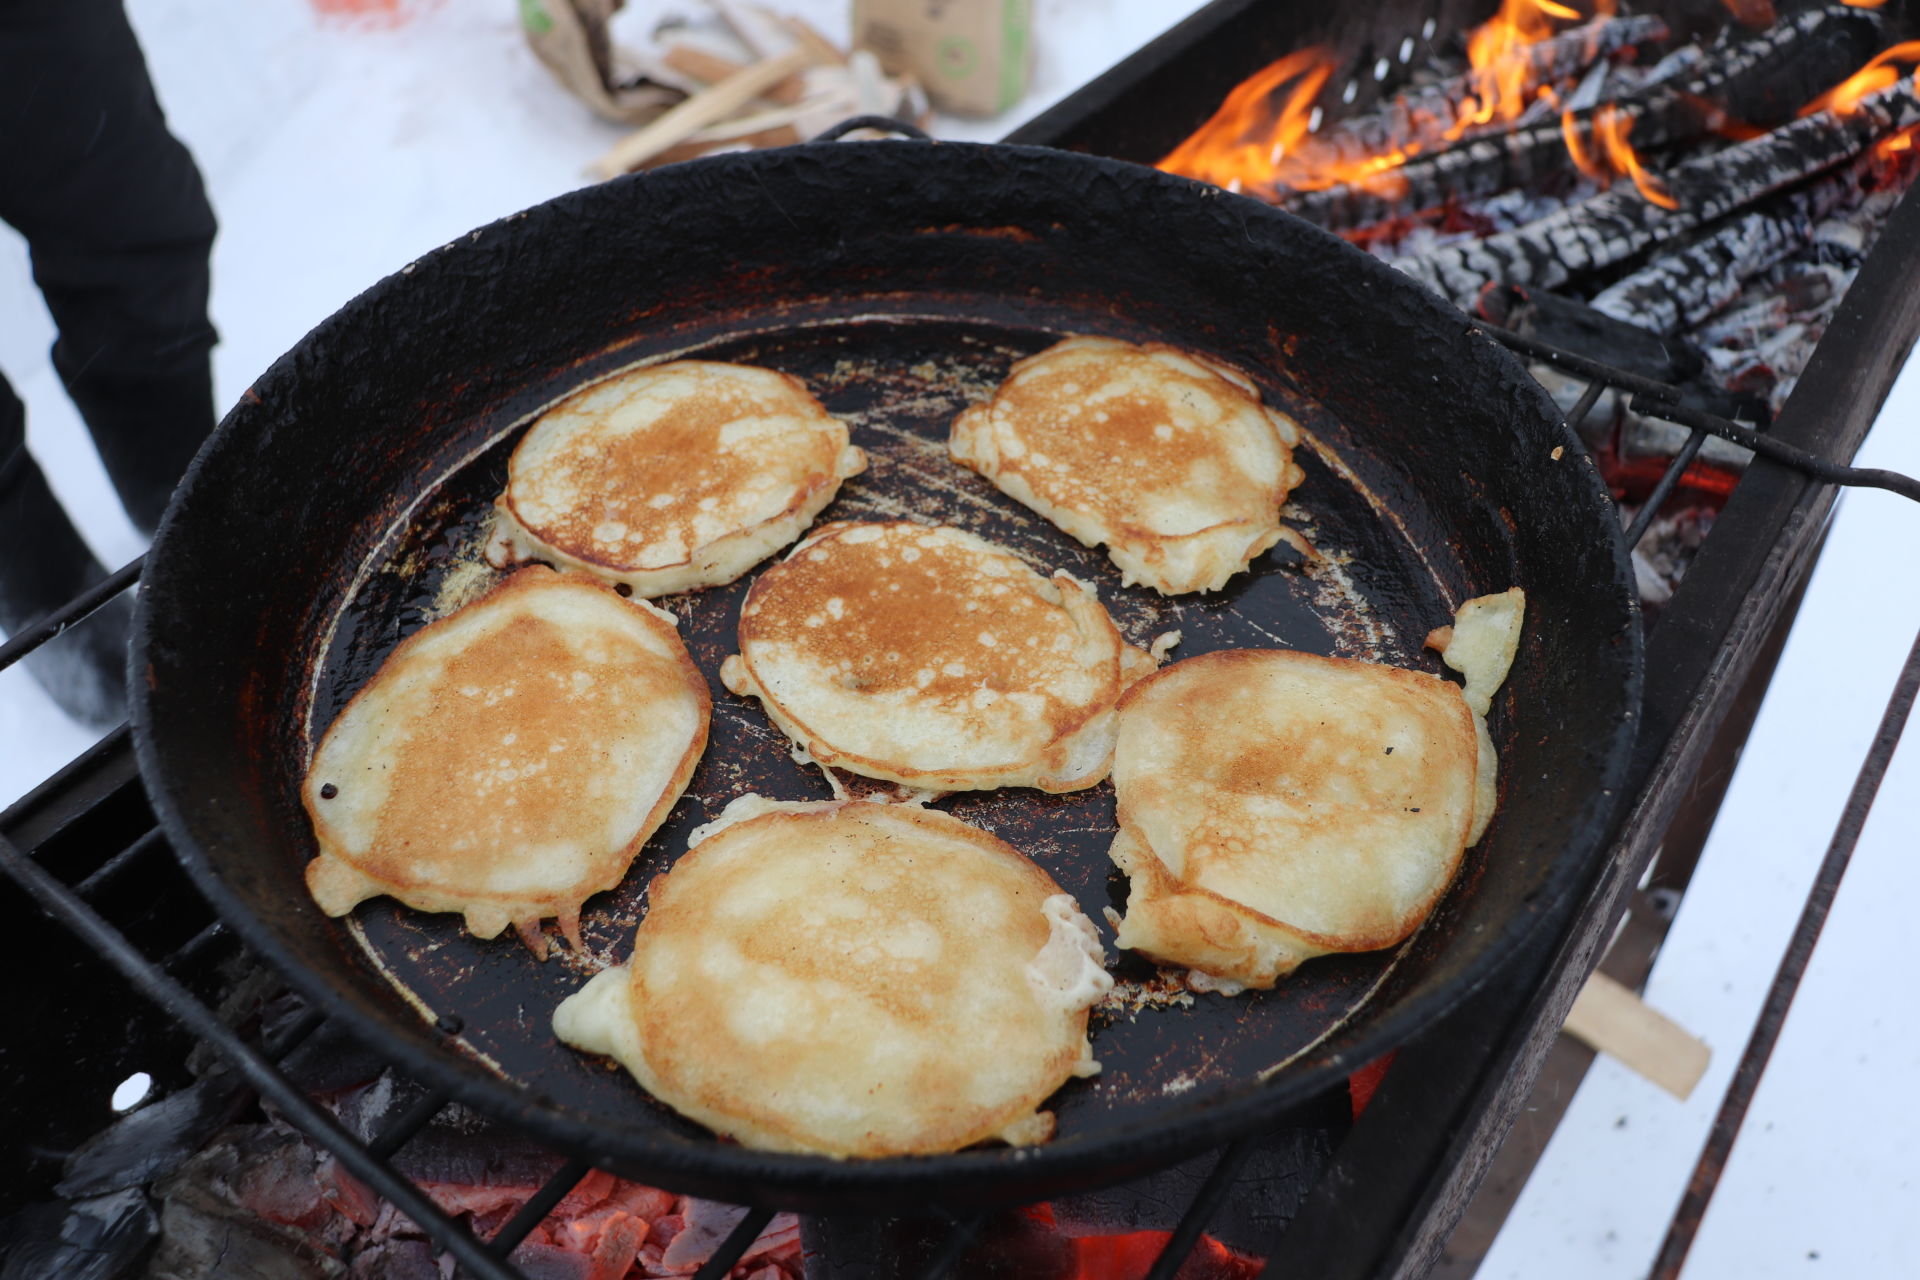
{"x":1786,"y":980}
{"x":1669,"y":480}
{"x":59,"y":901}
{"x":1206,"y":1203}
{"x":735,"y":1246}
{"x":409,"y":1122}
{"x":535,"y":1210}
{"x":75,"y":610}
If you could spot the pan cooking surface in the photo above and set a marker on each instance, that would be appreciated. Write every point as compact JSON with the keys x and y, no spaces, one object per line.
{"x":899,"y":381}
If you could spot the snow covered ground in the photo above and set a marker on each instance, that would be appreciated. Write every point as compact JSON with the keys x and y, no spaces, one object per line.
{"x":336,"y":152}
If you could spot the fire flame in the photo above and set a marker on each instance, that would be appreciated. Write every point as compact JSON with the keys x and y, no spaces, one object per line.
{"x":1615,"y":157}
{"x":1844,"y":98}
{"x":1497,"y":52}
{"x":1262,"y":137}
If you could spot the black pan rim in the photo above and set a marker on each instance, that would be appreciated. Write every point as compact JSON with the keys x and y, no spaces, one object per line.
{"x":981,"y":1176}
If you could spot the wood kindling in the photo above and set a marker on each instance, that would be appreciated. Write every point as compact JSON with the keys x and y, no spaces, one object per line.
{"x":1618,"y":225}
{"x":1759,"y":81}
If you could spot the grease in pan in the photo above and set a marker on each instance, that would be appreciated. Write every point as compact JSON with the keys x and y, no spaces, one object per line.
{"x":851,"y":979}
{"x":509,"y":760}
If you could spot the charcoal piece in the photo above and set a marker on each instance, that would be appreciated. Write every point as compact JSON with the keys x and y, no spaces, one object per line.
{"x":1575,"y":326}
{"x":204,"y":1238}
{"x":332,"y":1060}
{"x":98,"y":1238}
{"x":1620,"y":224}
{"x":397,"y":1260}
{"x":1760,"y":81}
{"x":154,"y":1139}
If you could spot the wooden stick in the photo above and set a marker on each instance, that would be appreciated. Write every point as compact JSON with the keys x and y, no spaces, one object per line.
{"x":711,"y":68}
{"x":1611,"y":1019}
{"x":709,"y":106}
{"x":825,"y":51}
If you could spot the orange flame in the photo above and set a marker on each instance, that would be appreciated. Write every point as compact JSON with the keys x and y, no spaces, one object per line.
{"x":1844,"y":98}
{"x":1611,"y":126}
{"x":1863,"y":4}
{"x":1614,"y":156}
{"x":1262,"y":137}
{"x":1497,"y":52}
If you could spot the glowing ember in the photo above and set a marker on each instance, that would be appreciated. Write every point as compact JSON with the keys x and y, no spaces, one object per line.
{"x":1751,"y":13}
{"x":1844,"y":98}
{"x":1263,"y":136}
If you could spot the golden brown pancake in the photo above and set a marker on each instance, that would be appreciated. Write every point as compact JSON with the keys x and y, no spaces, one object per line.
{"x":930,"y":657}
{"x":851,"y":979}
{"x":672,"y":477}
{"x":1168,"y":459}
{"x":509,"y":760}
{"x":1275,"y":806}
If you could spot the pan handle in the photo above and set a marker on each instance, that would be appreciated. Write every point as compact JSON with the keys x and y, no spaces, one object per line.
{"x":883,"y":124}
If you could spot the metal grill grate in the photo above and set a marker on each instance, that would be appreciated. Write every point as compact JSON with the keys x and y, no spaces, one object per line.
{"x":488,"y":1259}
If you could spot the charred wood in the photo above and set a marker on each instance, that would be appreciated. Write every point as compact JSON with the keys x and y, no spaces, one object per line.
{"x":1564,"y":322}
{"x":1683,"y":288}
{"x":1617,"y":226}
{"x":1439,"y":108}
{"x":1574,"y":326}
{"x":1760,"y":81}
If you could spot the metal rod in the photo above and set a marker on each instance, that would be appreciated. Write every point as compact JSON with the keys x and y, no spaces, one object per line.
{"x":1786,"y":980}
{"x":59,"y":902}
{"x":535,"y":1211}
{"x":294,"y":1035}
{"x":394,"y":1134}
{"x":953,"y":1248}
{"x":1588,"y":398}
{"x":1213,"y":1193}
{"x":194,"y":945}
{"x":119,"y":862}
{"x":76,"y":609}
{"x":1662,"y":404}
{"x":735,"y":1246}
{"x":1669,"y":480}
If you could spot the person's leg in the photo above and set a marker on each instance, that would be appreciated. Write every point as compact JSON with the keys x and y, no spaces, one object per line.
{"x":118,"y":224}
{"x":43,"y":564}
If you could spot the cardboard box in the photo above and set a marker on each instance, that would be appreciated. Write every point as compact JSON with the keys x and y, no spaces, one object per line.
{"x":971,"y":56}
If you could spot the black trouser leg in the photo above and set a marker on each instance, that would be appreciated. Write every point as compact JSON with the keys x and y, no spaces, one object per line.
{"x":117,"y":221}
{"x":43,"y":564}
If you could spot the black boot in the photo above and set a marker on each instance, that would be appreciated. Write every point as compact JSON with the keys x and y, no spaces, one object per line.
{"x":43,"y":564}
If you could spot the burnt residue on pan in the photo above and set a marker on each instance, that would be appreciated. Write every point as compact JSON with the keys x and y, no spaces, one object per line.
{"x":899,"y":384}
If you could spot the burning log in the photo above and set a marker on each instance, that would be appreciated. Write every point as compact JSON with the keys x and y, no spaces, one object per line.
{"x":1761,"y":80}
{"x":1451,"y":108}
{"x":1618,"y":225}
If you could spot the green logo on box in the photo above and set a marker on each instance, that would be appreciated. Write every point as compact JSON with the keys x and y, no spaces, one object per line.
{"x":958,"y":57}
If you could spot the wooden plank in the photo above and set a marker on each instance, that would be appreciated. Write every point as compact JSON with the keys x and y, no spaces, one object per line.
{"x":1611,"y":1019}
